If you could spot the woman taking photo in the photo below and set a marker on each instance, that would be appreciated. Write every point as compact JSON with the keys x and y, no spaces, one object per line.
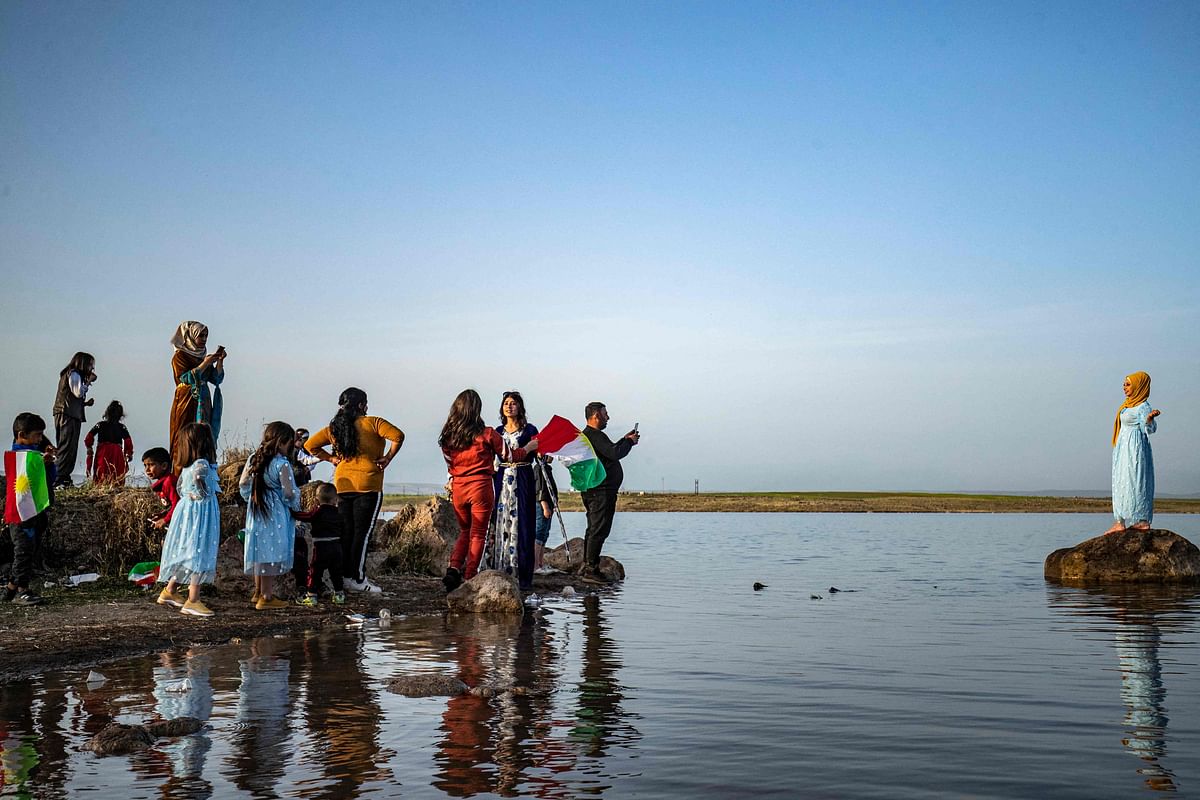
{"x":194,"y":369}
{"x":1132,"y":461}
{"x":513,"y":522}
{"x":359,"y":461}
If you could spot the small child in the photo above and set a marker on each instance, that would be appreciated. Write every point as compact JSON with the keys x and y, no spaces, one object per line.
{"x":271,"y":495}
{"x":189,"y":554}
{"x":112,"y":457}
{"x":546,"y":491}
{"x":30,"y":472}
{"x":326,"y":523}
{"x":157,"y":463}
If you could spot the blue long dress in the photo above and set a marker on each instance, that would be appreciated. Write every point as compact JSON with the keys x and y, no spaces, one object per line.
{"x":190,"y":547}
{"x":270,"y":538}
{"x":1133,"y":467}
{"x":513,"y":522}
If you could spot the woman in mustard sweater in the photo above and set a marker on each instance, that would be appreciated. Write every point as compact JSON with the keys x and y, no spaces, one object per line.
{"x":359,"y":462}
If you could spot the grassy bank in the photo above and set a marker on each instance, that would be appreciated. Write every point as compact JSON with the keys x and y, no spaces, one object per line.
{"x":878,"y":502}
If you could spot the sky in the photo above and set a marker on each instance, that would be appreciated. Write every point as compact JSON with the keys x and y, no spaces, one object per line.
{"x":805,"y":246}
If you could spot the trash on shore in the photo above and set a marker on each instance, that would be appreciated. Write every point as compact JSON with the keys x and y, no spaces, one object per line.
{"x":94,"y":679}
{"x":86,"y":577}
{"x":568,"y":591}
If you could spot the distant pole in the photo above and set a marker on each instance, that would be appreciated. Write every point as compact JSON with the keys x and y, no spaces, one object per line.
{"x":664,"y":485}
{"x":697,"y":486}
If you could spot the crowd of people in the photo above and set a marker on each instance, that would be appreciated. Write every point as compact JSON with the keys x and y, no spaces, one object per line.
{"x":502,"y":489}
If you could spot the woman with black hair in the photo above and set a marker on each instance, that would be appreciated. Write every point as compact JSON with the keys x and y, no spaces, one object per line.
{"x":359,"y":461}
{"x":514,"y":523}
{"x":73,"y":383}
{"x":113,"y":450}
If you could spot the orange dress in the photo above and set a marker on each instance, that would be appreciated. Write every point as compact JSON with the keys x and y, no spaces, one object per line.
{"x":194,"y":402}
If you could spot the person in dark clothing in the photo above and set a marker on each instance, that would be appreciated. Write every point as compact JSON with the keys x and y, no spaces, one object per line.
{"x":546,"y":491}
{"x":600,"y":502}
{"x":326,"y":554}
{"x":70,"y":400}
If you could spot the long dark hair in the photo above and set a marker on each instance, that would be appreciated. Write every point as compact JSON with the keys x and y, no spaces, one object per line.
{"x":352,"y":404}
{"x":275,"y":434}
{"x":194,"y":441}
{"x":520,"y":408}
{"x":81,"y":362}
{"x":115,"y":411}
{"x":464,"y":423}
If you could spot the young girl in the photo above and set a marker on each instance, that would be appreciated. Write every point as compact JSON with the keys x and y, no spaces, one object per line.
{"x":470,"y":449}
{"x":73,"y":384}
{"x":109,"y":463}
{"x":190,"y":548}
{"x":270,"y":491}
{"x":514,"y":521}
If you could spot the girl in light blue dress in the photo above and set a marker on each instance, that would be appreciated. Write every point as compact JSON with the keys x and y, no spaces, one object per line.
{"x":189,"y":554}
{"x":271,"y":495}
{"x":1132,"y":461}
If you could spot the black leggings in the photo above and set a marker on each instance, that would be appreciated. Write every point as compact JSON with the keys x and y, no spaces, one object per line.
{"x":359,"y":511}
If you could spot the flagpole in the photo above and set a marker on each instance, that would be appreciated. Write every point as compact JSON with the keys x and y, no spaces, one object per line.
{"x":537,"y":461}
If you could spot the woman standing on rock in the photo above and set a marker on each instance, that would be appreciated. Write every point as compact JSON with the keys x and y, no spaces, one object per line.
{"x":359,"y":462}
{"x":194,"y":369}
{"x":1132,"y":461}
{"x":513,"y":522}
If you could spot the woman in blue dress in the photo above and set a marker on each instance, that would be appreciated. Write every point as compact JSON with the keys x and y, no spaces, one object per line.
{"x":1132,"y":461}
{"x":513,"y":522}
{"x":271,"y":495}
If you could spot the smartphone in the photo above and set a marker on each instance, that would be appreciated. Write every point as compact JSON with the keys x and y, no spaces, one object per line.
{"x":635,"y":426}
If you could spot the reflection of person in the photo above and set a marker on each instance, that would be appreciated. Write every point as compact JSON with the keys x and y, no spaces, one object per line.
{"x":600,"y":502}
{"x":513,"y":521}
{"x":359,"y":462}
{"x":188,"y":756}
{"x":1143,"y":694}
{"x":69,"y":402}
{"x":194,"y":369}
{"x":189,"y":554}
{"x":271,"y":497}
{"x":1132,"y":461}
{"x":601,"y":719}
{"x":113,"y":447}
{"x":260,"y":742}
{"x":471,"y":448}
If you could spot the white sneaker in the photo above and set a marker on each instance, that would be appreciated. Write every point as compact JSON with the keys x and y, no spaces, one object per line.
{"x":351,"y":585}
{"x":372,"y":588}
{"x":545,"y":569}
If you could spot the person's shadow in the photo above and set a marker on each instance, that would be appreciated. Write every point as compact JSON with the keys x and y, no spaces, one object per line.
{"x":1142,"y":613}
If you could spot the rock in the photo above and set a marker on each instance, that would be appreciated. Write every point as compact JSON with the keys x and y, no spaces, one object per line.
{"x":483,"y":691}
{"x":815,"y":597}
{"x":558,"y":557}
{"x":611,"y":569}
{"x":1153,"y":556}
{"x":427,"y":685}
{"x":180,"y":726}
{"x":418,"y":539}
{"x":758,"y":587}
{"x":116,"y":739}
{"x":490,"y":591}
{"x":834,"y":590}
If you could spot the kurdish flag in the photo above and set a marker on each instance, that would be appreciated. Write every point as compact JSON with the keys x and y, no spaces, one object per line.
{"x":564,"y":441}
{"x":145,"y":573}
{"x":27,"y":493}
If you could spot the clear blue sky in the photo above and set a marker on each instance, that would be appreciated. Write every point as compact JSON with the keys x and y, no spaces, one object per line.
{"x":806,"y":246}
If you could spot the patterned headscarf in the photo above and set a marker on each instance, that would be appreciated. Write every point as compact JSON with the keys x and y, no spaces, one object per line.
{"x":187,"y":338}
{"x":1140,"y":382}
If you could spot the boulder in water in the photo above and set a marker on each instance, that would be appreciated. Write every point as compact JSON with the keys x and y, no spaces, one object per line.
{"x":427,"y":685}
{"x":1153,"y":556}
{"x":491,"y":591}
{"x":116,"y":739}
{"x":180,"y":726}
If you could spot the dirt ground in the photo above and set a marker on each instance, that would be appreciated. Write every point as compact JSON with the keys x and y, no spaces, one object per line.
{"x":110,"y":619}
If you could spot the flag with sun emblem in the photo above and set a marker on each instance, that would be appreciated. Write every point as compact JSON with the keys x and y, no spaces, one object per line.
{"x":27,"y":492}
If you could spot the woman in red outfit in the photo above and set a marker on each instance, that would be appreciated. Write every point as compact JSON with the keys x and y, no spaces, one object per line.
{"x":110,"y":461}
{"x":471,"y":448}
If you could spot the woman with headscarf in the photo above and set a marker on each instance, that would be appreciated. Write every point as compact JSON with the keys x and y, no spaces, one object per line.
{"x":194,"y":369}
{"x":359,"y":461}
{"x":1132,"y":461}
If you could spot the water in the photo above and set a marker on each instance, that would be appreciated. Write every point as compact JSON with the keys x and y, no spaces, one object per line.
{"x":950,"y":670}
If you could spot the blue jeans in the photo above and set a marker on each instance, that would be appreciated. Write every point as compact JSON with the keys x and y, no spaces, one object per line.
{"x":541,"y":532}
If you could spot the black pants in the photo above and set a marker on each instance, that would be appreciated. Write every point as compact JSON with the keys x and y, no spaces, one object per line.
{"x":301,"y":557}
{"x":359,"y":511}
{"x":327,"y":555}
{"x":66,"y":439}
{"x":601,"y":505}
{"x":25,"y":538}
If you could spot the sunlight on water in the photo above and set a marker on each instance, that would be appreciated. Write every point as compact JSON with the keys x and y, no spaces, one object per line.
{"x":945,"y":666}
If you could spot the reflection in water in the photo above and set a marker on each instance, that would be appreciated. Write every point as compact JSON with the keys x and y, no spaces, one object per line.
{"x":1141,"y":614}
{"x":600,"y":719}
{"x":260,"y":751}
{"x":189,"y":754}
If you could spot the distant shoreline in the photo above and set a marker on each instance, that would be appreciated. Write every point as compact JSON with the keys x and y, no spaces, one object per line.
{"x":851,"y":502}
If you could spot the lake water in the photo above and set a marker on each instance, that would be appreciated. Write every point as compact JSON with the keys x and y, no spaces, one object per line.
{"x":946,"y":668}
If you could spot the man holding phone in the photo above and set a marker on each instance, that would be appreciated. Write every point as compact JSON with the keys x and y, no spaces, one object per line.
{"x":600,"y":502}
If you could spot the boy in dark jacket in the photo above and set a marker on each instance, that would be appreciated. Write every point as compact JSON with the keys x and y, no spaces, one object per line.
{"x":326,"y":553}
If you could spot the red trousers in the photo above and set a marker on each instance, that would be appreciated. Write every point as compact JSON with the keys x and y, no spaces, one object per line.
{"x":474,"y":499}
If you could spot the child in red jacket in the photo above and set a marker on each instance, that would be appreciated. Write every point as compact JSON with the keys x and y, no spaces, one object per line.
{"x":157,"y":463}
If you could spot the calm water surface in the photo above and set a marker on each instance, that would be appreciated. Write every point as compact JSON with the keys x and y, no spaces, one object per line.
{"x":946,"y":667}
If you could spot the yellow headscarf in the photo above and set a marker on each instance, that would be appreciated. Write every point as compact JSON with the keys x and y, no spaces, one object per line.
{"x":1140,"y":382}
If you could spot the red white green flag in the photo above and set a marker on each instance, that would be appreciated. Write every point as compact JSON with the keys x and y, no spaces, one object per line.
{"x":27,"y":492}
{"x":145,"y":573}
{"x":565,"y":442}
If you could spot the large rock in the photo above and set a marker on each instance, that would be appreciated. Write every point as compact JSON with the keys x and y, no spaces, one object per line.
{"x":489,"y":592}
{"x":427,"y":685}
{"x":1153,"y":556}
{"x":116,"y":739}
{"x":418,"y":539}
{"x":558,"y":558}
